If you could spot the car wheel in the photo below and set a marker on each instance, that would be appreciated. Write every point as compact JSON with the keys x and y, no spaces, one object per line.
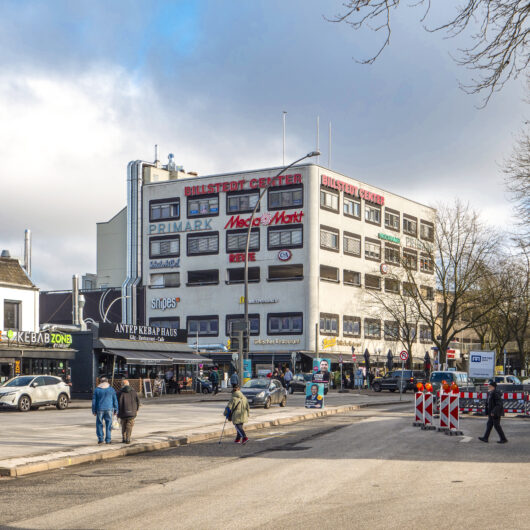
{"x":205,"y":390}
{"x":392,"y":389}
{"x":62,"y":402}
{"x":283,"y":402}
{"x":376,"y":387}
{"x":267,"y":403}
{"x":24,"y":404}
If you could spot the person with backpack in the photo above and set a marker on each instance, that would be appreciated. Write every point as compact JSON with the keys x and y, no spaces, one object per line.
{"x":214,"y":379}
{"x":128,"y":405}
{"x":239,"y":413}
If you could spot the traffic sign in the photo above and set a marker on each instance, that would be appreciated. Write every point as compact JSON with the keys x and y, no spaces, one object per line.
{"x":404,"y":355}
{"x":340,"y":359}
{"x":353,"y":357}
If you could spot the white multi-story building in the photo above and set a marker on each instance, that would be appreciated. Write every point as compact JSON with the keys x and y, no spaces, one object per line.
{"x":321,"y":244}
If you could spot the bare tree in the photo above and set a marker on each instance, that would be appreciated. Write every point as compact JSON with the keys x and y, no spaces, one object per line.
{"x":499,"y":29}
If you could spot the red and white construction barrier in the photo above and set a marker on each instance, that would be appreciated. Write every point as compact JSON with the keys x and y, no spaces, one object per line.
{"x":443,"y":423}
{"x":514,"y":402}
{"x":454,"y":417}
{"x":418,"y":409}
{"x":472,"y":401}
{"x":427,"y":412}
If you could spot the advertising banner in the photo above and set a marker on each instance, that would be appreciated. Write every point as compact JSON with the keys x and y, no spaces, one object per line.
{"x":321,"y":373}
{"x":247,"y":370}
{"x":314,"y":396}
{"x":481,"y":364}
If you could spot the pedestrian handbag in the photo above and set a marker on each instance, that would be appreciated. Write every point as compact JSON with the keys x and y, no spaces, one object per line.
{"x":115,"y":423}
{"x":228,"y":412}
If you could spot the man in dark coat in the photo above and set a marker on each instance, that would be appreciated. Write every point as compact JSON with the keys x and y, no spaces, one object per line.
{"x":494,"y":411}
{"x":128,"y":405}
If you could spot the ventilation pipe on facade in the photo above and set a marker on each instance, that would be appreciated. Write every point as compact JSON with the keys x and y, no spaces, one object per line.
{"x":27,"y":251}
{"x":75,"y":300}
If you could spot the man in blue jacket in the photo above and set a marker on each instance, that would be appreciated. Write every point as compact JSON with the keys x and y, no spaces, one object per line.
{"x":104,"y":404}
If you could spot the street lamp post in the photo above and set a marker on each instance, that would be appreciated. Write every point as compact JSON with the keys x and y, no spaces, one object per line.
{"x":245,"y":297}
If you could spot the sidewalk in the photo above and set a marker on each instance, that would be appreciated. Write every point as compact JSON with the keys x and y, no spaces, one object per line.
{"x":51,"y":439}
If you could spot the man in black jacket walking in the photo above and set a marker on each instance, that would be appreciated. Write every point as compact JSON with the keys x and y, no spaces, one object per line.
{"x":494,"y":411}
{"x":128,"y":405}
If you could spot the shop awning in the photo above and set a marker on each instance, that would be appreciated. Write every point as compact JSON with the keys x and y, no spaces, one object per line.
{"x":144,"y":345}
{"x":38,"y":353}
{"x":188,"y":358}
{"x":142,"y":357}
{"x":334,"y":356}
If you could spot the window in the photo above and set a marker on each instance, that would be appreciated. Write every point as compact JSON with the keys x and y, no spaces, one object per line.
{"x":352,"y":208}
{"x":285,"y":198}
{"x":236,"y":240}
{"x":351,"y":326}
{"x":351,"y":244}
{"x":12,"y":315}
{"x":253,"y":321}
{"x":392,"y":254}
{"x":237,"y":275}
{"x":409,"y":332}
{"x":278,"y":273}
{"x":164,"y":209}
{"x":329,"y":200}
{"x":205,"y":326}
{"x":285,"y":323}
{"x":409,"y":289}
{"x":329,"y":324}
{"x":372,"y":214}
{"x":329,"y":238}
{"x":372,"y":249}
{"x":410,"y":225}
{"x":427,"y":292}
{"x":164,"y":279}
{"x":425,"y":334}
{"x":207,"y":243}
{"x":351,"y":278}
{"x":391,"y":286}
{"x":372,"y":282}
{"x":205,"y":277}
{"x":391,"y":219}
{"x":241,"y":202}
{"x":164,"y":246}
{"x":426,"y":230}
{"x":391,"y":330}
{"x":203,"y":206}
{"x":168,"y":322}
{"x":426,"y":264}
{"x":372,"y":328}
{"x":285,"y":237}
{"x":410,"y":259}
{"x":329,"y":274}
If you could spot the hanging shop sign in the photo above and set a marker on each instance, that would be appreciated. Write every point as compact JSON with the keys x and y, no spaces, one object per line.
{"x":53,"y":339}
{"x":239,"y":257}
{"x":285,"y":255}
{"x":279,"y":218}
{"x":350,"y":189}
{"x":175,"y":227}
{"x":168,"y":302}
{"x":276,"y":341}
{"x":242,"y":184}
{"x":386,"y":237}
{"x":147,"y":333}
{"x":384,"y":268}
{"x":170,"y":263}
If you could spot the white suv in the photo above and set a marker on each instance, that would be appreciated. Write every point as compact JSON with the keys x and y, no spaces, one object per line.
{"x":27,"y":392}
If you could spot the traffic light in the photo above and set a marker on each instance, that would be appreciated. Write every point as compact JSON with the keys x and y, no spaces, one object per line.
{"x":238,"y":336}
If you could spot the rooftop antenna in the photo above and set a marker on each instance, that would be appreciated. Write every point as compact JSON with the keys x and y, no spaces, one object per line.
{"x":318,"y":138}
{"x":329,"y":147}
{"x":283,"y":117}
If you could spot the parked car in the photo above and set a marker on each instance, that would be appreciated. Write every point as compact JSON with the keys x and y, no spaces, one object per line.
{"x":264,"y":392}
{"x":460,"y":378}
{"x":407,"y":379}
{"x":299,"y":381}
{"x":27,"y":392}
{"x":204,"y":386}
{"x":508,"y":380}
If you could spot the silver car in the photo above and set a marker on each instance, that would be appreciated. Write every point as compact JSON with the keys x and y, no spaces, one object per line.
{"x":27,"y":392}
{"x":264,"y":392}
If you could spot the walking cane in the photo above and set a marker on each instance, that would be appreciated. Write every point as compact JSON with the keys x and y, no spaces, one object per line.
{"x":222,"y":432}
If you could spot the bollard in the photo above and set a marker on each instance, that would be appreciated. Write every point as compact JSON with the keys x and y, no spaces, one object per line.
{"x":454,"y":418}
{"x":427,"y":412}
{"x":418,"y":407}
{"x":443,"y":423}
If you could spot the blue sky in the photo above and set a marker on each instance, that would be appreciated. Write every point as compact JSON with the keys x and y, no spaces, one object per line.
{"x":86,"y":86}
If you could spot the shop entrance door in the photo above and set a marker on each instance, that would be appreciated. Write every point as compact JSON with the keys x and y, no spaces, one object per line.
{"x":5,"y":372}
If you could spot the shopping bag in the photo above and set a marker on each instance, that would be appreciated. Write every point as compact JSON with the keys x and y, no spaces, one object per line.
{"x":115,"y":423}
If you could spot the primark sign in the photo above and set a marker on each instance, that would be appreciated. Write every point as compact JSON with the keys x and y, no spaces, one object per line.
{"x":176,"y":227}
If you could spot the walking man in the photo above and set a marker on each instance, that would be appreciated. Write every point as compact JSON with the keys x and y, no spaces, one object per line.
{"x":129,"y":403}
{"x":494,"y":411}
{"x":214,"y":379}
{"x":104,"y":404}
{"x":288,"y":377}
{"x":234,"y":379}
{"x":240,"y":413}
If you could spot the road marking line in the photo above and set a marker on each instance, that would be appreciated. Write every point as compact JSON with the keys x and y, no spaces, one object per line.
{"x":466,"y":439}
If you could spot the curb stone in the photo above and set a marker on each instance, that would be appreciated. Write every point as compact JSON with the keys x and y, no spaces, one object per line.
{"x":94,"y":455}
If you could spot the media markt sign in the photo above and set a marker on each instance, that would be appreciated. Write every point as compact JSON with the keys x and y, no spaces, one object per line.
{"x":51,"y":339}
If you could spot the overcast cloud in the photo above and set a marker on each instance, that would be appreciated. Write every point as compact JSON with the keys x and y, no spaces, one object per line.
{"x":87,"y":86}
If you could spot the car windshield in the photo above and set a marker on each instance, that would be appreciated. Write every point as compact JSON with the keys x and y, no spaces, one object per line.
{"x":438,"y":377}
{"x":257,"y":383}
{"x":308,"y":377}
{"x":19,"y":381}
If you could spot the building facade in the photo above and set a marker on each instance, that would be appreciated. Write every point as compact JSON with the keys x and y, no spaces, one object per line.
{"x":322,"y":245}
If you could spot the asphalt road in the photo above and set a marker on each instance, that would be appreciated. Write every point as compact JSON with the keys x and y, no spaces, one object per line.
{"x":366,"y":469}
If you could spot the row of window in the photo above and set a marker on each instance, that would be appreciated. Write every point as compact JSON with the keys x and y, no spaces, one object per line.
{"x":351,"y":327}
{"x":351,"y":207}
{"x":197,"y":244}
{"x":393,"y":255}
{"x":208,"y":326}
{"x":233,"y":275}
{"x":236,"y":202}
